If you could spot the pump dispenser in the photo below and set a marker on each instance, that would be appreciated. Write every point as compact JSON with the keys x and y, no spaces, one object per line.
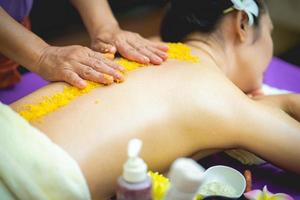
{"x":134,"y":184}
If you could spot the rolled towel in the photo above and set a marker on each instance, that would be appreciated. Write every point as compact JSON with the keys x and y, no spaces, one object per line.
{"x":32,"y":167}
{"x":245,"y":157}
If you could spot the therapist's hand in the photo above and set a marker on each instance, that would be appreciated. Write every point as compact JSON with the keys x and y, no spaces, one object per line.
{"x":74,"y":64}
{"x":130,"y":45}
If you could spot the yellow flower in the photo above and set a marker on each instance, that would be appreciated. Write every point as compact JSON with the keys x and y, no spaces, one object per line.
{"x":160,"y":185}
{"x":199,"y":197}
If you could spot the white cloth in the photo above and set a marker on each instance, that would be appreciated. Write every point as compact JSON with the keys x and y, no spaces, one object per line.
{"x":32,"y":167}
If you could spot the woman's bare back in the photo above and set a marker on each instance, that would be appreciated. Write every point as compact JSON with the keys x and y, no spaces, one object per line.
{"x":177,"y":109}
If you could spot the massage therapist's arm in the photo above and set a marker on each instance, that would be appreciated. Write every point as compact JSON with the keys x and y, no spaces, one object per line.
{"x":18,"y":43}
{"x":71,"y":63}
{"x":107,"y":36}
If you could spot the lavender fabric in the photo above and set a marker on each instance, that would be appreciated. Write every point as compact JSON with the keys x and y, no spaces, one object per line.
{"x":18,"y":9}
{"x":29,"y":83}
{"x":283,"y":75}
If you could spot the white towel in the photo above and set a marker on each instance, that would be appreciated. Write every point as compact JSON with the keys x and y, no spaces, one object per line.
{"x":34,"y":168}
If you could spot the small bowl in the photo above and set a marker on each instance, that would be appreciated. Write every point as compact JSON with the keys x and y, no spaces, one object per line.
{"x":224,"y":175}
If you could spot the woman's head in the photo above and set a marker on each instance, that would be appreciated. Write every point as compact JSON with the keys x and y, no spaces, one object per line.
{"x":249,"y":46}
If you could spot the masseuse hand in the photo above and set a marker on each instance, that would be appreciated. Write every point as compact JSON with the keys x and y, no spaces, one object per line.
{"x":130,"y":45}
{"x":72,"y":64}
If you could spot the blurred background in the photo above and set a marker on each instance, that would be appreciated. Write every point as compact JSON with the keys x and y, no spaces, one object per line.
{"x":58,"y":22}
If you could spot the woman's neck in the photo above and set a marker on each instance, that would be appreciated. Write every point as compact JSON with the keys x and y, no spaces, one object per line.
{"x":213,"y":53}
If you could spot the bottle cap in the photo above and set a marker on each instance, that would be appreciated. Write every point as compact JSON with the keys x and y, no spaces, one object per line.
{"x":186,"y":175}
{"x":135,"y":169}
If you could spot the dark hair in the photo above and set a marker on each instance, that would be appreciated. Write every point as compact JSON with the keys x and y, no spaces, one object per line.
{"x":187,"y":16}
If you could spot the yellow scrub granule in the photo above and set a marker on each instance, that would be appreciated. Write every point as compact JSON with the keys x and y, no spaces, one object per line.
{"x":129,"y":65}
{"x":52,"y":103}
{"x":47,"y":105}
{"x":179,"y":51}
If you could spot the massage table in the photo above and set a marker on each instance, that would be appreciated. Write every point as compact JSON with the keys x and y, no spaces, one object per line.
{"x":279,"y":74}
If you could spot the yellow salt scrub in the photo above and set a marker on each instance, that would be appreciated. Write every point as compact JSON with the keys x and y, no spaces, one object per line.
{"x":47,"y":105}
{"x":129,"y":65}
{"x":50,"y":104}
{"x":179,"y":51}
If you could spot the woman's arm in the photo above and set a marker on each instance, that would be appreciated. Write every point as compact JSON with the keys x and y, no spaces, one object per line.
{"x":107,"y":36}
{"x":96,"y":15}
{"x":71,"y":64}
{"x":272,"y":134}
{"x":267,"y":130}
{"x":20,"y":44}
{"x":289,"y":103}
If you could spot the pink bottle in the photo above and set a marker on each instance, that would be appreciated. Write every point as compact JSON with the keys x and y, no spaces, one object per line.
{"x":135,"y":183}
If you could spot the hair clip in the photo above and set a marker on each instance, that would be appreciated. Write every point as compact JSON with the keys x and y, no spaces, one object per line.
{"x":250,"y":7}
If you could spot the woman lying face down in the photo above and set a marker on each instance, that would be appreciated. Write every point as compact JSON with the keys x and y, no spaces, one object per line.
{"x":182,"y":108}
{"x":241,"y":48}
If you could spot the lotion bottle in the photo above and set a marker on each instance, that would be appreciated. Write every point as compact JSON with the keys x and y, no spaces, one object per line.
{"x":135,"y":183}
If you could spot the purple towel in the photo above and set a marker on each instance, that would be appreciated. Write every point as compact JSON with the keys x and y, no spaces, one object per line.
{"x":29,"y":83}
{"x":283,"y":75}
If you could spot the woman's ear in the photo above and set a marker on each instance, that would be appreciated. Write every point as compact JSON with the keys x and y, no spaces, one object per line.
{"x":242,"y":26}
